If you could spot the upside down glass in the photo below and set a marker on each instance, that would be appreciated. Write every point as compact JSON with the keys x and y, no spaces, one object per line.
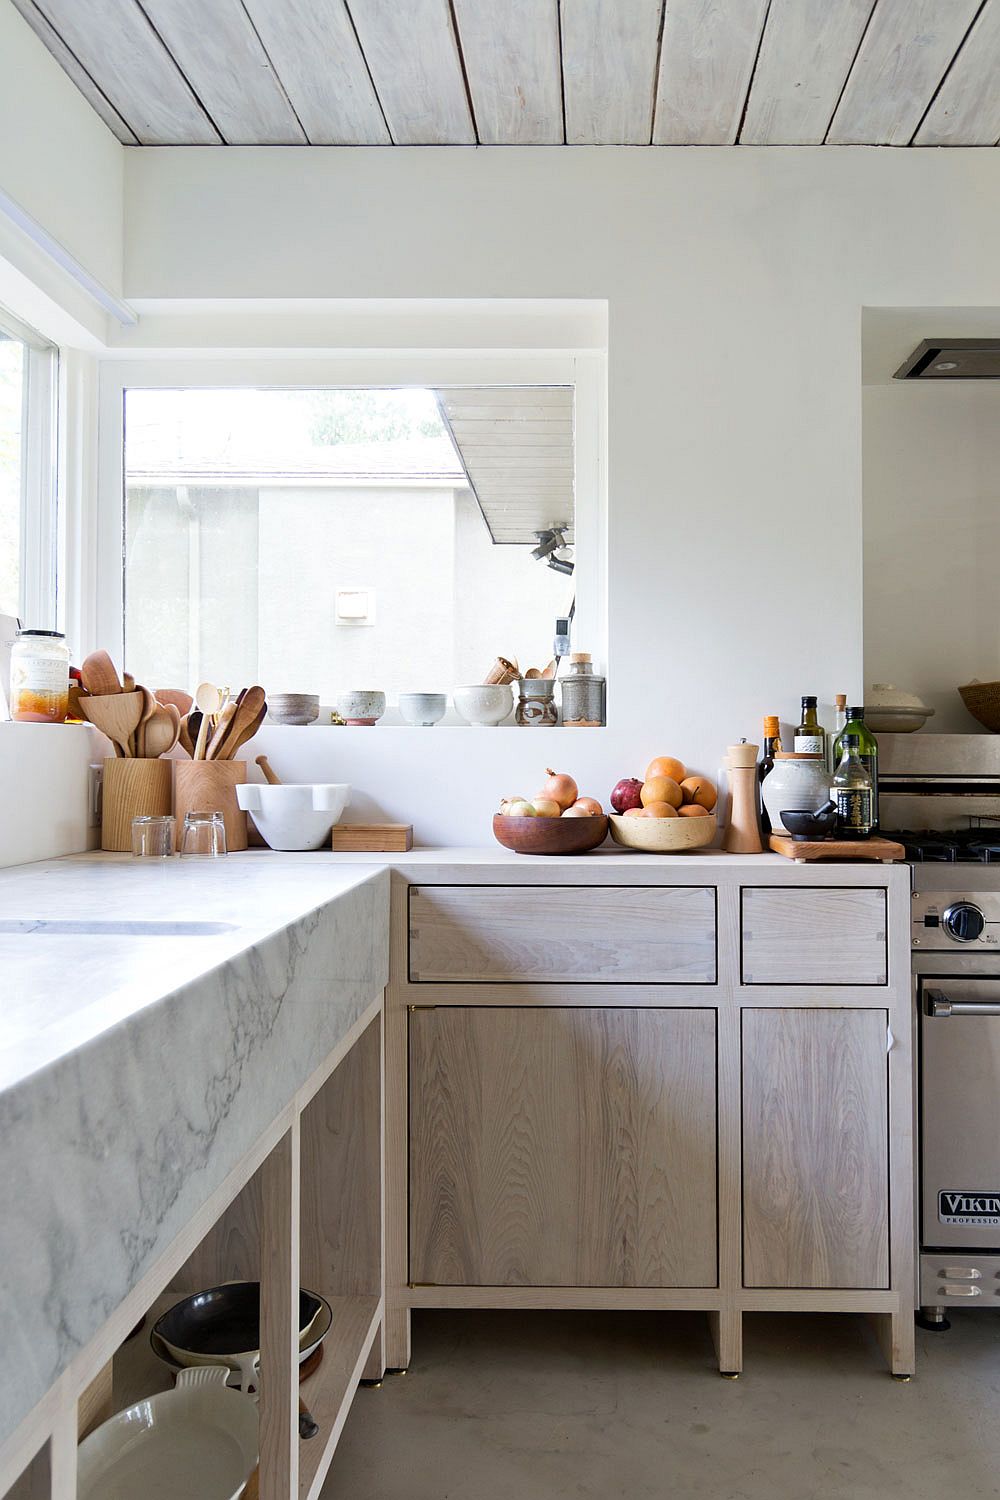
{"x":204,"y":835}
{"x":153,"y":836}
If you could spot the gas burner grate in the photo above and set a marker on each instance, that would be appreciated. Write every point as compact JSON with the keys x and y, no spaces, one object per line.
{"x":970,"y":847}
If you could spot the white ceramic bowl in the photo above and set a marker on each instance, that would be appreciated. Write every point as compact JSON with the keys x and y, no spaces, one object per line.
{"x":294,"y":817}
{"x":890,"y":710}
{"x":364,"y":706}
{"x":485,"y":703}
{"x":198,"y":1441}
{"x":293,"y":708}
{"x":423,"y":708}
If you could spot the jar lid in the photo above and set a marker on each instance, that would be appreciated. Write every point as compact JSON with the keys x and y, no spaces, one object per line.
{"x":580,"y":656}
{"x":798,"y":755}
{"x":58,"y":635}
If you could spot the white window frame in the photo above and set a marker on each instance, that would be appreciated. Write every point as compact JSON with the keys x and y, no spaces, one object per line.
{"x":39,"y":569}
{"x":586,"y":370}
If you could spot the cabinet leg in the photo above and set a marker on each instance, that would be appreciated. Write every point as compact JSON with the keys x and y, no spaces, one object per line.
{"x":894,"y":1332}
{"x":397,"y":1338}
{"x":375,"y":1363}
{"x":726,"y":1328}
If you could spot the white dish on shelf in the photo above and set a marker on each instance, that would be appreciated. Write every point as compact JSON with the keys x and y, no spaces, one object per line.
{"x":198,"y":1441}
{"x":483,"y":703}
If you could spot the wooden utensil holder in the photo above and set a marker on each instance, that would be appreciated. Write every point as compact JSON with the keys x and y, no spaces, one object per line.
{"x":210,"y":786}
{"x":132,"y":789}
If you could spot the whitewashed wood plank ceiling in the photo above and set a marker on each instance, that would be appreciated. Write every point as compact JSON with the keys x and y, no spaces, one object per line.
{"x":533,"y":72}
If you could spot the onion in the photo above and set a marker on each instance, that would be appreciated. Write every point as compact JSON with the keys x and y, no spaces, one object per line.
{"x":577,"y":811}
{"x":559,"y":788}
{"x":546,"y":807}
{"x":588,"y":806}
{"x":517,"y":809}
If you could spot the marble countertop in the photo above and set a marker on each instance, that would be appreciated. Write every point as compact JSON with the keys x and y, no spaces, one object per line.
{"x":136,"y":1072}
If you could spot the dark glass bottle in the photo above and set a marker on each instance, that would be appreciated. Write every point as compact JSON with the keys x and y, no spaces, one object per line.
{"x":810,"y":737}
{"x":772,"y":742}
{"x":852,"y":792}
{"x":867,"y":752}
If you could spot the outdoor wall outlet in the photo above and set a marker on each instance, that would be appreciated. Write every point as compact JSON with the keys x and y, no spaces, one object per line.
{"x":95,"y":788}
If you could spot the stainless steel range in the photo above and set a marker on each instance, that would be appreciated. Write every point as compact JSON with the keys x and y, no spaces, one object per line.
{"x":940,"y":796}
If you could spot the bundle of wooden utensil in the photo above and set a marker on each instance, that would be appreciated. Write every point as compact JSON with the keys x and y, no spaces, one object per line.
{"x":216,"y":725}
{"x":137,"y":722}
{"x":211,"y":726}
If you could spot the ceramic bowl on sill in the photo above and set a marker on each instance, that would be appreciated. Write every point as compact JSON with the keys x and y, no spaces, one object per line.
{"x":293,"y":708}
{"x":362,"y":706}
{"x":890,"y":710}
{"x":483,"y":703}
{"x":423,"y":709}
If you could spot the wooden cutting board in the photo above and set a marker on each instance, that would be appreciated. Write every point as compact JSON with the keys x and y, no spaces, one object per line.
{"x":886,"y":851}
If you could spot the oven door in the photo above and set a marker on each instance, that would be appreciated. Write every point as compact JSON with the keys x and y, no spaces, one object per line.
{"x":959,"y":1112}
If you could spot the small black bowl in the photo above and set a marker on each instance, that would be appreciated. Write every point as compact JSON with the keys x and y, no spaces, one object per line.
{"x":803,"y":823}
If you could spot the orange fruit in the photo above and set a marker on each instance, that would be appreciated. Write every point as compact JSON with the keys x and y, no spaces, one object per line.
{"x":698,"y":789}
{"x":661,"y":789}
{"x":693,"y":810}
{"x":666,"y":765}
{"x":659,"y":810}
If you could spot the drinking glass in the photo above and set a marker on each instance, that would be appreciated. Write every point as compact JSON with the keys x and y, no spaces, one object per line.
{"x":204,"y":835}
{"x":153,"y":836}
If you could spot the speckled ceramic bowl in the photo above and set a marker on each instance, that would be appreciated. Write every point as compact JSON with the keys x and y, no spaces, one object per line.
{"x":423,"y":708}
{"x":363,"y":706}
{"x":484,"y":703}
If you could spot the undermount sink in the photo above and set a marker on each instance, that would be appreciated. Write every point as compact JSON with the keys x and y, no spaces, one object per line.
{"x":110,"y":927}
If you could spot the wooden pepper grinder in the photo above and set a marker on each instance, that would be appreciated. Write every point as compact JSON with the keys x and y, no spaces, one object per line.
{"x":743,"y":833}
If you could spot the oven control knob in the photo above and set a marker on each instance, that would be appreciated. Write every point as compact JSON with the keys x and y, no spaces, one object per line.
{"x":964,"y":922}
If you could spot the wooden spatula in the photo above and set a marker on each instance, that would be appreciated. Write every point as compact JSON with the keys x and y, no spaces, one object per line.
{"x":250,"y":709}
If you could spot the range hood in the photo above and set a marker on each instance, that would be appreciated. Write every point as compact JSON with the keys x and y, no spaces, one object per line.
{"x":952,"y":359}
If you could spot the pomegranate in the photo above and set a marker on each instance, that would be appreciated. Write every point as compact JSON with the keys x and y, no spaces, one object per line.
{"x":627,"y":794}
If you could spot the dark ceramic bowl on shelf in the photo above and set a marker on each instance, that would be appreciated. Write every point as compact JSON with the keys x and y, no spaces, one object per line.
{"x":808,"y":823}
{"x":550,"y":835}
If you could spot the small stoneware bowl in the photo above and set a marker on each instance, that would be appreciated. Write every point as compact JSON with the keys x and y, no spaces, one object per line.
{"x":292,"y":708}
{"x":423,"y":708}
{"x":484,"y":703}
{"x":363,"y":706}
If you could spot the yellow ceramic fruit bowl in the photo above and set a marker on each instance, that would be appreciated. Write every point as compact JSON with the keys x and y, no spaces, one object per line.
{"x":663,"y":835}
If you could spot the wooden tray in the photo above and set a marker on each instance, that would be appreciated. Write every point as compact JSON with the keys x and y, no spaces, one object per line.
{"x":884,"y":850}
{"x":372,"y":838}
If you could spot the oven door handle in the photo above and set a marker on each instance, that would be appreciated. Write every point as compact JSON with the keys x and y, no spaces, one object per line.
{"x":939,"y":1006}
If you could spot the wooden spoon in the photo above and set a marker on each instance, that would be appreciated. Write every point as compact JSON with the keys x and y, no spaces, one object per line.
{"x":209,"y":700}
{"x":98,"y":674}
{"x":221,"y":729}
{"x":148,"y":710}
{"x":270,"y":776}
{"x":181,"y":700}
{"x":245,"y":722}
{"x":115,"y":714}
{"x":190,"y":725}
{"x":160,"y":731}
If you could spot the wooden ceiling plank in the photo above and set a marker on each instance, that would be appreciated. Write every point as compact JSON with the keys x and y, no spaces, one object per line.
{"x":222,"y":58}
{"x":805,"y":57}
{"x":706,"y":63}
{"x":75,"y":70}
{"x":315,"y":53}
{"x":966,"y":111}
{"x":511,"y":54}
{"x":412,"y":55}
{"x":507,"y":395}
{"x":609,"y":70}
{"x":114,"y":42}
{"x":904,"y":56}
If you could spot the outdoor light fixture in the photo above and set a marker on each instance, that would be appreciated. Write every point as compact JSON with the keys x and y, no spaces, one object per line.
{"x":554,"y":549}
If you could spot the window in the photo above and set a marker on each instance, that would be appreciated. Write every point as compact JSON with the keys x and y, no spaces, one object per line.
{"x":319,"y":540}
{"x":27,"y":475}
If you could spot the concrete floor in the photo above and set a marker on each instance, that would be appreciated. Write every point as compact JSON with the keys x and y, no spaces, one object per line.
{"x":611,"y":1406}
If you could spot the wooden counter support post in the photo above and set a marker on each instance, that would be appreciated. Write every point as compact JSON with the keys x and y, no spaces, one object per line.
{"x":279,"y":1320}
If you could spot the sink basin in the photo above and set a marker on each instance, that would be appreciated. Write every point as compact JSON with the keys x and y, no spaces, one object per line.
{"x":111,"y":927}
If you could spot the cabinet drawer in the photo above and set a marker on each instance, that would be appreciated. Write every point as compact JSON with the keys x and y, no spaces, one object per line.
{"x":563,"y":1146}
{"x":504,"y":934}
{"x":814,"y":936}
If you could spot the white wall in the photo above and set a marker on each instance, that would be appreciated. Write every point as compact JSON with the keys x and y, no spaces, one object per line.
{"x":932,"y":541}
{"x":735,"y":280}
{"x":43,"y":770}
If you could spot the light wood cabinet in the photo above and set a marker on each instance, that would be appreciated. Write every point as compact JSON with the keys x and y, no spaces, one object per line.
{"x":815,"y":1148}
{"x":562,"y":934}
{"x":563,"y":1147}
{"x":814,"y":936}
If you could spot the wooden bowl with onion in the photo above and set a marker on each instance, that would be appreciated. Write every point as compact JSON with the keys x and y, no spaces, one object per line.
{"x":663,"y":835}
{"x":550,"y":835}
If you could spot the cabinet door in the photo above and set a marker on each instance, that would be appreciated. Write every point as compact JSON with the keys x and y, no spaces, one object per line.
{"x":815,"y":1148}
{"x":562,"y":1147}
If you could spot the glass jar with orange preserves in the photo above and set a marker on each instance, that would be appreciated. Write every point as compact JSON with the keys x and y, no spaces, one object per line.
{"x":39,"y":677}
